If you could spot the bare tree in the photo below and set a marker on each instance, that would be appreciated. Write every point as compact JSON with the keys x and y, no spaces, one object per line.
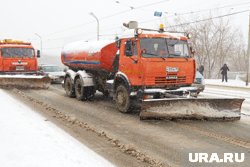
{"x":239,"y":58}
{"x":216,"y":42}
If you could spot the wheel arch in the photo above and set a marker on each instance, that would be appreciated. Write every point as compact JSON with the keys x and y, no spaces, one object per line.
{"x":86,"y":78}
{"x":71,"y":74}
{"x":121,"y":78}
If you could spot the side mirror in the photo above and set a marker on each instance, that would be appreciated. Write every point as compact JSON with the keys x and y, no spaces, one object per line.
{"x":38,"y":54}
{"x":117,"y":42}
{"x":128,"y":48}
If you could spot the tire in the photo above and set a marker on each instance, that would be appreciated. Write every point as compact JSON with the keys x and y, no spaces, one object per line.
{"x":69,"y":87}
{"x":122,"y":99}
{"x":79,"y":89}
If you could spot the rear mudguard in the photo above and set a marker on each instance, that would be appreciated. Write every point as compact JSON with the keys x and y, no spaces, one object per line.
{"x":192,"y":108}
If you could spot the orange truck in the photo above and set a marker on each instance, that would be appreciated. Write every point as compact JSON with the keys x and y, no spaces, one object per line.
{"x":19,"y":65}
{"x":149,"y":70}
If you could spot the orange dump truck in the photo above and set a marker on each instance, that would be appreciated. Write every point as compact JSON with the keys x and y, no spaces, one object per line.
{"x":19,"y":66}
{"x":148,"y":70}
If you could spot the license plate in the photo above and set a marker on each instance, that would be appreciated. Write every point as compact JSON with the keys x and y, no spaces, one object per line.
{"x":171,"y":77}
{"x":19,"y":68}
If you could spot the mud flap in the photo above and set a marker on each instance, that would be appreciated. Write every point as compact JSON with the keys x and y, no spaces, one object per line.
{"x":25,"y":82}
{"x":192,"y":108}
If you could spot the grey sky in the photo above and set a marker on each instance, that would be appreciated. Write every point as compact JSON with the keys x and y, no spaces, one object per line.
{"x":63,"y":21}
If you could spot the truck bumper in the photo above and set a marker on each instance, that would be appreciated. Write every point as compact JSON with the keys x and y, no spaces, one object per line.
{"x":200,"y":87}
{"x":163,"y":93}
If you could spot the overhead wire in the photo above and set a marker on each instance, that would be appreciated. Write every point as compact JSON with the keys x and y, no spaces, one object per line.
{"x":108,"y":16}
{"x":196,"y":21}
{"x":209,"y":9}
{"x":146,"y":21}
{"x":199,"y":11}
{"x":211,"y":18}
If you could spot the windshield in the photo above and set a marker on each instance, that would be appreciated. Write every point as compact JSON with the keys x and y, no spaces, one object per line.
{"x":162,"y":47}
{"x":17,"y":52}
{"x":51,"y":69}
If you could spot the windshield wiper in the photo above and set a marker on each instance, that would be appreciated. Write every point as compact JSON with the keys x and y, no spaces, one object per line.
{"x":174,"y":55}
{"x":156,"y":55}
{"x":164,"y":58}
{"x":178,"y":56}
{"x":152,"y":54}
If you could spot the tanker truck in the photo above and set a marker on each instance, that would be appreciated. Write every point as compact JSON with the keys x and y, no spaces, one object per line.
{"x":151,"y":71}
{"x":19,"y":66}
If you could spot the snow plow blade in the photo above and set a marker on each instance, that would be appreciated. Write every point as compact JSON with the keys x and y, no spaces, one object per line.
{"x":25,"y":82}
{"x":227,"y":109}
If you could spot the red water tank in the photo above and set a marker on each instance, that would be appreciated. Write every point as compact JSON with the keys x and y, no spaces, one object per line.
{"x":83,"y":55}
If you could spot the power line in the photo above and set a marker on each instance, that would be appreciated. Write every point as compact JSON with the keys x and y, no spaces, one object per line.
{"x":197,"y":21}
{"x":118,"y":2}
{"x":67,"y":37}
{"x":211,"y":18}
{"x":209,"y":9}
{"x":108,"y":16}
{"x":69,"y":28}
{"x":150,"y":4}
{"x":191,"y":12}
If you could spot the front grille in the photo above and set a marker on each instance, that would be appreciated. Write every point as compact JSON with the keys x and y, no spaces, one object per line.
{"x":163,"y":80}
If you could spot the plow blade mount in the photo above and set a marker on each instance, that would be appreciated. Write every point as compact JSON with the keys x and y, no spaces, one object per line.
{"x":192,"y":108}
{"x":25,"y":82}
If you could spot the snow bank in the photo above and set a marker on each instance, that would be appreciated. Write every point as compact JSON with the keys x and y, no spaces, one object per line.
{"x":28,"y":140}
{"x":230,"y":83}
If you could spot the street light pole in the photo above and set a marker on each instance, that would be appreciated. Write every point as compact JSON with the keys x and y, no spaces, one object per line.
{"x":248,"y":54}
{"x":41,"y":43}
{"x":92,"y":14}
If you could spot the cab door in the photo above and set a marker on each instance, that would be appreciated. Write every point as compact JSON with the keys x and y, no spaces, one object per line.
{"x":130,"y":62}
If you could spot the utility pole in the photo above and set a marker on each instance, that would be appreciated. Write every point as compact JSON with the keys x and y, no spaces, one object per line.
{"x":41,"y":43}
{"x":97,"y":20}
{"x":248,"y":54}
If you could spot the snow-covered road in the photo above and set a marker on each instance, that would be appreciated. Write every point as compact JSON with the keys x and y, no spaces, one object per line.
{"x":29,"y":140}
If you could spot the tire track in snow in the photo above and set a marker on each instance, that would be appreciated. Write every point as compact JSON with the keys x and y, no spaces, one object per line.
{"x":74,"y":121}
{"x":218,"y":136}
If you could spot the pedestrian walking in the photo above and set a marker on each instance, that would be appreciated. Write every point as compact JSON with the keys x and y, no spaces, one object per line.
{"x":224,"y":70}
{"x":201,"y":69}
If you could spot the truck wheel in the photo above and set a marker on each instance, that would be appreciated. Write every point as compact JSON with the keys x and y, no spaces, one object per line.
{"x":122,"y":99}
{"x":79,"y":89}
{"x":69,"y":87}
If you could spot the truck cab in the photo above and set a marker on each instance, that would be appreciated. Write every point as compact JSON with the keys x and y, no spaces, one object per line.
{"x":157,"y":60}
{"x":17,"y":57}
